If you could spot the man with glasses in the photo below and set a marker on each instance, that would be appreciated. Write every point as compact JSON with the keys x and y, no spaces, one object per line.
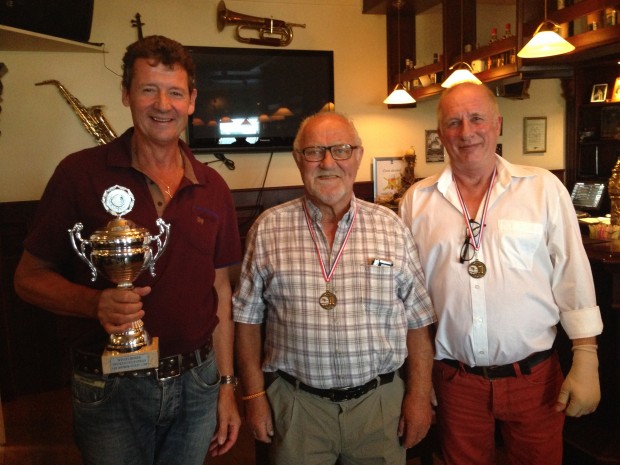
{"x":504,"y":263}
{"x":330,"y":304}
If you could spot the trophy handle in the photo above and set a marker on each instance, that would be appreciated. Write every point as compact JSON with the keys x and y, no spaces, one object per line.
{"x":164,"y":229}
{"x":74,"y":233}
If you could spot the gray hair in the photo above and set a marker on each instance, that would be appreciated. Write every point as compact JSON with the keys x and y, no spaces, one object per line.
{"x":325,"y":114}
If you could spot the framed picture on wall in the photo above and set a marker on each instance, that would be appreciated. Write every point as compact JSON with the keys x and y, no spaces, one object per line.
{"x":535,"y":134}
{"x":599,"y":93}
{"x":434,"y":147}
{"x":387,"y":174}
{"x":615,"y":96}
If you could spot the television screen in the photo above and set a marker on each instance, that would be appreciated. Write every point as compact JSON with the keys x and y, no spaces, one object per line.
{"x":252,"y":100}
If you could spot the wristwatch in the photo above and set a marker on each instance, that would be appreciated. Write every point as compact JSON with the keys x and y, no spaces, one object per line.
{"x":229,"y":379}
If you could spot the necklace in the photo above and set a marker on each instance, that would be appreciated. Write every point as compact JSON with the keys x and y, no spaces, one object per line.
{"x":328,"y":299}
{"x":165,"y":187}
{"x":476,"y":268}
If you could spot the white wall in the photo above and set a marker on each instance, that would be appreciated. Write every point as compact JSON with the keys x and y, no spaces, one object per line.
{"x":39,"y":128}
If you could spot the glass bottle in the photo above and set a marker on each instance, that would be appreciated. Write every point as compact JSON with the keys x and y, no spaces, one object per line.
{"x":492,"y":59}
{"x":510,"y":56}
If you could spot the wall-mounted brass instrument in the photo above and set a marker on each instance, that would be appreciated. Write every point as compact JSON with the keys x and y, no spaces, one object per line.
{"x":274,"y":32}
{"x":93,"y":119}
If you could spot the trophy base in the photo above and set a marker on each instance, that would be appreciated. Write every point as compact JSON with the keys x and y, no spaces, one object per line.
{"x":131,"y":340}
{"x":144,"y":358}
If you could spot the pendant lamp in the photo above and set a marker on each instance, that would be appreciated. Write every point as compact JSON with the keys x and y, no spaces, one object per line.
{"x":399,"y":95}
{"x":546,"y":41}
{"x":463,"y":71}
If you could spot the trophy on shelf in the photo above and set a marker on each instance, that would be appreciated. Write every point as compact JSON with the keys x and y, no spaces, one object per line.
{"x":120,"y":251}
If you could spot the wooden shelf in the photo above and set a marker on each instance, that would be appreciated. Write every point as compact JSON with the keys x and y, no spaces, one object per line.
{"x":19,"y":40}
{"x":427,"y":70}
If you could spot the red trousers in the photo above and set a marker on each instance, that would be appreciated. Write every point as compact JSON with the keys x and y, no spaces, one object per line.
{"x":470,"y":406}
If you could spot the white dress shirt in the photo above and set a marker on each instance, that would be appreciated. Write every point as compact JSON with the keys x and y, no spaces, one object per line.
{"x":538,"y":273}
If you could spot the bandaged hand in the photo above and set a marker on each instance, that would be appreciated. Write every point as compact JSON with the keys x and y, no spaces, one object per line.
{"x":581,"y":389}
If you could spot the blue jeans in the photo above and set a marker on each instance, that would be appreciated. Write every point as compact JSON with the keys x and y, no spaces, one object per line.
{"x":143,"y":421}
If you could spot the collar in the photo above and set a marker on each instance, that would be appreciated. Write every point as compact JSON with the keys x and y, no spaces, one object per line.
{"x":316,"y":215}
{"x":506,"y":173}
{"x":122,"y":158}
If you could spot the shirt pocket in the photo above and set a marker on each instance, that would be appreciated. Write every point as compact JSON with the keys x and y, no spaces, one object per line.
{"x":519,"y":241}
{"x":376,"y":287}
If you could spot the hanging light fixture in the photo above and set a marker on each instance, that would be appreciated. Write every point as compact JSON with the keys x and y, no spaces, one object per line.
{"x":463,"y":71}
{"x":546,"y":41}
{"x":399,"y":95}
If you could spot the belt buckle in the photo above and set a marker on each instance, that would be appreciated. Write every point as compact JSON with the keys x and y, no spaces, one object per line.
{"x":487,"y":372}
{"x":178,"y":360}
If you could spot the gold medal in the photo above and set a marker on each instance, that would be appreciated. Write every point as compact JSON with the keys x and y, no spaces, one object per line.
{"x":328,"y":300}
{"x":477,"y":269}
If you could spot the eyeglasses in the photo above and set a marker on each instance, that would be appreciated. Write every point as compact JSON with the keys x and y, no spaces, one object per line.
{"x":339,"y":152}
{"x":468,"y":250}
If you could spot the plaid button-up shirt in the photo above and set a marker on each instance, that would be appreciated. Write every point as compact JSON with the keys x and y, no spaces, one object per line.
{"x":366,"y":333}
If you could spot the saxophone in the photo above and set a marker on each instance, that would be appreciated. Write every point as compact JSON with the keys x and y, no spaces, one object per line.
{"x":92,"y":118}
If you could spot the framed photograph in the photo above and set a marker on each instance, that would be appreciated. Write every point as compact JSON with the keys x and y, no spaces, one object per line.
{"x":434,"y":147}
{"x":387,"y":174}
{"x":615,"y":97}
{"x":599,"y":93}
{"x":535,"y":134}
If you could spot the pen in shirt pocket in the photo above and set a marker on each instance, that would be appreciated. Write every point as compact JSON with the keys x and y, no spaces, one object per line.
{"x":381,"y":262}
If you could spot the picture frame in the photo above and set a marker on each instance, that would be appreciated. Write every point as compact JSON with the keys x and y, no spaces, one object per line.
{"x":535,"y":134}
{"x":386,"y":175}
{"x":615,"y":96}
{"x":434,"y":147}
{"x":599,"y":93}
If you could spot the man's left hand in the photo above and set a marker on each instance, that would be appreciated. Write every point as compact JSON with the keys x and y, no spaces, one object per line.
{"x":581,"y":389}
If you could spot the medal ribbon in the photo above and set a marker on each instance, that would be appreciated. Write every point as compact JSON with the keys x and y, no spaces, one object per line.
{"x":327,"y":276}
{"x":476,"y":243}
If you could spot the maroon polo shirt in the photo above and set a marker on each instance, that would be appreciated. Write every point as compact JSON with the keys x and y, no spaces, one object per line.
{"x":181,"y":309}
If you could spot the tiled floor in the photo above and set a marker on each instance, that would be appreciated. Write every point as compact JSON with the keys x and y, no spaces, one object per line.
{"x":38,"y":432}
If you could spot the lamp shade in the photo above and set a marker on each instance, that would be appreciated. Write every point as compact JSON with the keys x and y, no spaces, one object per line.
{"x":399,"y":96}
{"x":460,"y":75}
{"x":545,"y":44}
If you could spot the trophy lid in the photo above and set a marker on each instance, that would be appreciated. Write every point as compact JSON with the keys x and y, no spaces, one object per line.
{"x":120,"y":230}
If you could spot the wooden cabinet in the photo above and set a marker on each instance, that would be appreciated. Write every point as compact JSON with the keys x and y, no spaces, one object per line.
{"x":458,"y":30}
{"x":577,"y":18}
{"x":592,"y":128}
{"x":598,"y":145}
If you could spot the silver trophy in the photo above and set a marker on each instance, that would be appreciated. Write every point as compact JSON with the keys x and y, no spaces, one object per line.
{"x":120,"y":252}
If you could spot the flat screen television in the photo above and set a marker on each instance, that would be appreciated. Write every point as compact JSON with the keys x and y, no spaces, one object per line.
{"x":252,"y":100}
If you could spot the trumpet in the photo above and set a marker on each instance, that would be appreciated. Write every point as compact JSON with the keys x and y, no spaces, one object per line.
{"x":273,"y":32}
{"x":92,"y":118}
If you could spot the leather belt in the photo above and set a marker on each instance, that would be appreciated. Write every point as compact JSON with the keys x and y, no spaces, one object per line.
{"x":339,"y":395}
{"x":169,"y":367}
{"x":503,"y":371}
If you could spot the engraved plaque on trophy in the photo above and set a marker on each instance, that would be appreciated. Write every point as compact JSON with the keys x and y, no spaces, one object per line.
{"x":120,"y":251}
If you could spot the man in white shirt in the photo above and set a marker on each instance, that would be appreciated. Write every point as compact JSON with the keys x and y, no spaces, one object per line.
{"x":504,"y":263}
